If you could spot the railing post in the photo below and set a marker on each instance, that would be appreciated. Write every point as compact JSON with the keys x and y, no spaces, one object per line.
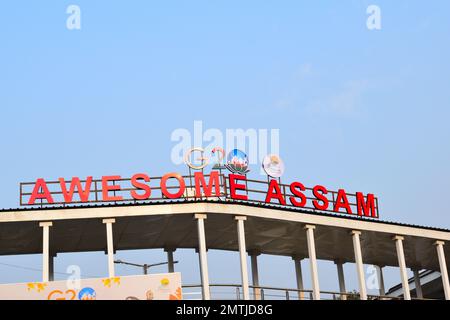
{"x":238,"y":294}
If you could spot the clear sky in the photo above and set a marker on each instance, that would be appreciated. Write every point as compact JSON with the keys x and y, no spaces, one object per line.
{"x":356,"y":108}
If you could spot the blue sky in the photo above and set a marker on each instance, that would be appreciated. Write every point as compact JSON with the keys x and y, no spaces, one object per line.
{"x":358,"y":109}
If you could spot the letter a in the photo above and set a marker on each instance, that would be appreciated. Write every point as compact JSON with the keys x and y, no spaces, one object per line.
{"x":73,"y":22}
{"x":374,"y":20}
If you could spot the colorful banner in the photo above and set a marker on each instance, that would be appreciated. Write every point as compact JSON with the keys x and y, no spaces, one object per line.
{"x":165,"y":286}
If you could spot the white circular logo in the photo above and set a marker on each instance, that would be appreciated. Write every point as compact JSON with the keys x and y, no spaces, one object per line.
{"x":273,"y":165}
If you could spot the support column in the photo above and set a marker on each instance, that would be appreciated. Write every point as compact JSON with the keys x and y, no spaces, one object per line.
{"x":243,"y":255}
{"x":312,"y":260}
{"x":380,"y":277}
{"x":255,"y":275}
{"x":418,"y":285}
{"x":402,"y":265}
{"x":51,"y":268}
{"x":110,"y":246}
{"x":45,"y":249}
{"x":202,"y":255}
{"x":341,"y":278}
{"x":299,"y":277}
{"x":359,"y":264}
{"x":443,"y":266}
{"x":170,"y":264}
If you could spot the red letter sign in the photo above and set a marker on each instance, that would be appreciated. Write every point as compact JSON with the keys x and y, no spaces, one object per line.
{"x":140,"y":186}
{"x":106,"y":188}
{"x":76,"y":184}
{"x":165,"y":190}
{"x":277,"y":194}
{"x":366,"y":208}
{"x":235,"y":186}
{"x":201,"y":183}
{"x":342,"y":202}
{"x":45,"y":194}
{"x":296,"y":189}
{"x":319,"y":192}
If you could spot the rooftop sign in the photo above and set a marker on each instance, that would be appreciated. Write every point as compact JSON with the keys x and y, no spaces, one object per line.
{"x":215,"y":185}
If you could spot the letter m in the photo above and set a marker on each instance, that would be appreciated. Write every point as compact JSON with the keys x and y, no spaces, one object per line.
{"x":200,"y":184}
{"x":366,"y":206}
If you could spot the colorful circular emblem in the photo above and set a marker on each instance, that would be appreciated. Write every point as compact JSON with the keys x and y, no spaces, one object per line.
{"x":237,"y":162}
{"x":273,"y":165}
{"x":87,"y":294}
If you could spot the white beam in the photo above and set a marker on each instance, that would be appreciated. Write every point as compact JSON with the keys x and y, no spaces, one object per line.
{"x":341,"y":279}
{"x":312,"y":260}
{"x":110,"y":246}
{"x":443,"y":266}
{"x":299,"y":277}
{"x":402,"y":265}
{"x":202,"y":255}
{"x":45,"y":249}
{"x":359,"y":264}
{"x":243,"y":256}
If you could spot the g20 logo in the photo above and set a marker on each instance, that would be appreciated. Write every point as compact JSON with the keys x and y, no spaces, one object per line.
{"x":236,"y":161}
{"x":218,"y":153}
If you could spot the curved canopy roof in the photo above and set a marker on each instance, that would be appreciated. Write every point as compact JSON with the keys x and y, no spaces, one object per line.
{"x":268,"y":230}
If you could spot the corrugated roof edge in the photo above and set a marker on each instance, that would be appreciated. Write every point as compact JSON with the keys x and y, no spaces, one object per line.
{"x":231,"y":202}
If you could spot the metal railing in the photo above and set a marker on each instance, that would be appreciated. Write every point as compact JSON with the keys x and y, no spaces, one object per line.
{"x":234,"y":292}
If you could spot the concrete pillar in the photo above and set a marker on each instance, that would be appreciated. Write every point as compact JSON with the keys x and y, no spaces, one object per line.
{"x":418,"y":285}
{"x":359,"y":264}
{"x":312,"y":260}
{"x":243,"y":256}
{"x":202,"y":255}
{"x":299,"y":277}
{"x":341,"y":279}
{"x":255,"y":275}
{"x":110,"y":246}
{"x":402,"y":265}
{"x":443,"y":266}
{"x":45,"y":250}
{"x":51,"y":267}
{"x":170,"y":264}
{"x":380,"y":277}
